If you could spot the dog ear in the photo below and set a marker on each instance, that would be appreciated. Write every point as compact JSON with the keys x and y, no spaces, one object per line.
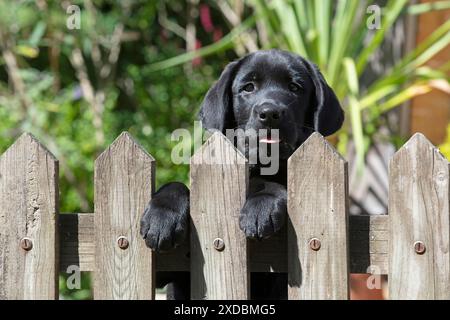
{"x":327,"y":116}
{"x":216,"y":109}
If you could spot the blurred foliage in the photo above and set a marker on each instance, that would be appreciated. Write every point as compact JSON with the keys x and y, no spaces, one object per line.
{"x":76,"y":90}
{"x":50,"y":100}
{"x":336,"y":36}
{"x":84,"y":293}
{"x":144,"y":66}
{"x":445,"y":147}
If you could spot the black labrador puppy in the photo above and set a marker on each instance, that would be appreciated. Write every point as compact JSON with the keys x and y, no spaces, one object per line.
{"x":264,"y":90}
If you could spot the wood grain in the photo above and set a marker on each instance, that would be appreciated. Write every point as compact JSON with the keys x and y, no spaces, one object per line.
{"x":77,"y":241}
{"x":318,"y":208}
{"x":123,"y":186}
{"x":419,"y":211}
{"x":28,"y":208}
{"x":124,"y":174}
{"x":368,"y":247}
{"x":218,"y":191}
{"x":369,"y":244}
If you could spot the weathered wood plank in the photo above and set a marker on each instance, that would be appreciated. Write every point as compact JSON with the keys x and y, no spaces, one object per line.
{"x":218,"y":192}
{"x":124,"y":176}
{"x":270,"y":255}
{"x":77,"y":241}
{"x":318,"y":209}
{"x":419,"y":211}
{"x":28,"y":208}
{"x":369,"y":245}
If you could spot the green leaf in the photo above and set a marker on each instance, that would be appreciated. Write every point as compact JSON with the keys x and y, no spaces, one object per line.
{"x":357,"y":131}
{"x":405,"y":95}
{"x":392,"y":11}
{"x":225,"y":43}
{"x":341,"y":37}
{"x":355,"y":112}
{"x":27,"y":51}
{"x":407,"y":67}
{"x":352,"y":76}
{"x":370,"y":99}
{"x":37,"y":34}
{"x":416,"y":9}
{"x":434,"y":43}
{"x":302,"y":16}
{"x":322,"y":19}
{"x":289,"y":26}
{"x":429,"y":73}
{"x":269,"y":17}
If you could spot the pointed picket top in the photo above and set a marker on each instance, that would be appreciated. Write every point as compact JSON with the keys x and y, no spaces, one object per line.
{"x":124,"y":183}
{"x":417,"y":144}
{"x":318,"y":209}
{"x":219,"y":183}
{"x":123,"y":143}
{"x":314,"y":144}
{"x":419,"y":215}
{"x":28,"y":140}
{"x":218,"y":150}
{"x":28,"y":209}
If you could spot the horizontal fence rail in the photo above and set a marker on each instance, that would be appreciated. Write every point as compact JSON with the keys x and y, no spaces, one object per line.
{"x":319,"y":247}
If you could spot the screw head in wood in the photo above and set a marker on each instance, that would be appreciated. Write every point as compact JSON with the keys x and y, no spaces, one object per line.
{"x":26,"y":244}
{"x":123,"y":242}
{"x":315,"y":244}
{"x":419,"y":247}
{"x":219,"y":244}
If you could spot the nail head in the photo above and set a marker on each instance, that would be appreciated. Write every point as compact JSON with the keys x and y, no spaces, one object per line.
{"x":26,"y":244}
{"x":315,"y":244}
{"x":419,"y":247}
{"x":219,"y":244}
{"x":123,"y":242}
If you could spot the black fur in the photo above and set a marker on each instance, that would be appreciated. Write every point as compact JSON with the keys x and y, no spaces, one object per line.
{"x":264,"y":90}
{"x":164,"y":224}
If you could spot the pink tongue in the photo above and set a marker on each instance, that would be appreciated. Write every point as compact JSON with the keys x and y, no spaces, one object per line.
{"x":267,"y":140}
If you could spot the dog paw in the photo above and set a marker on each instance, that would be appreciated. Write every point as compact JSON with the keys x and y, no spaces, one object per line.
{"x":262,"y":215}
{"x":164,"y":224}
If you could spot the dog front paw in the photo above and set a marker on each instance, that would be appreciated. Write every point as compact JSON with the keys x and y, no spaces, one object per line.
{"x":164,"y":224}
{"x":262,"y":215}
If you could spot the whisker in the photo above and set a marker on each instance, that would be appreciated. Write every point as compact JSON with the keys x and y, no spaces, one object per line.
{"x":293,"y":100}
{"x":300,"y":126}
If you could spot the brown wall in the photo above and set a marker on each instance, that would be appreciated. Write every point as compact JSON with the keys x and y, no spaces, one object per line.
{"x":430,"y":113}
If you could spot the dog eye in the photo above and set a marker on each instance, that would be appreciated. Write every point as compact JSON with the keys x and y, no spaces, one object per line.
{"x":294,"y":87}
{"x":249,"y":87}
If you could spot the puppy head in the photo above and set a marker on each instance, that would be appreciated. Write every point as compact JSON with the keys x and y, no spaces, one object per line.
{"x":273,"y":90}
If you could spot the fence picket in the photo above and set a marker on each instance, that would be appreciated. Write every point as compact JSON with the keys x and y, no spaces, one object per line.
{"x":411,"y":244}
{"x":124,"y":176}
{"x":28,"y":209}
{"x":218,"y":191}
{"x":317,"y":207}
{"x":419,"y":211}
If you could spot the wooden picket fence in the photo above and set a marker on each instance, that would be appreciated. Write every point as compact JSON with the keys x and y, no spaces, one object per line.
{"x":320,"y":247}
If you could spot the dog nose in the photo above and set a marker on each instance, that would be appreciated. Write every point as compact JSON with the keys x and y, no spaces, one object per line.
{"x":269,"y":115}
